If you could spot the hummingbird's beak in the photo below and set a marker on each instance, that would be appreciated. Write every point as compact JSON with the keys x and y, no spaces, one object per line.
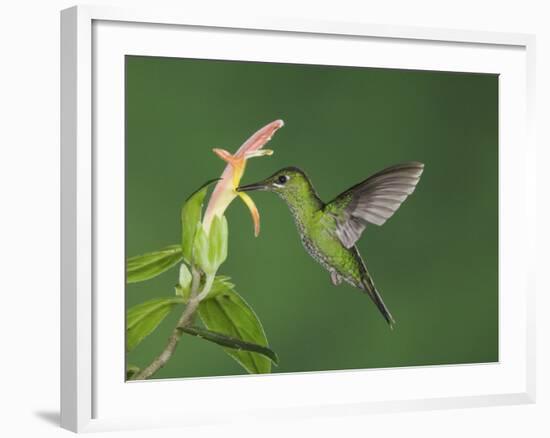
{"x":250,"y":187}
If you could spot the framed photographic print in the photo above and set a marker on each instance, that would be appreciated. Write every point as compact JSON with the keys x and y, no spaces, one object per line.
{"x":256,"y":208}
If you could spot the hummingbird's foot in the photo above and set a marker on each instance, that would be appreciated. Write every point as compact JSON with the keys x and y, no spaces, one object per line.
{"x":336,"y":279}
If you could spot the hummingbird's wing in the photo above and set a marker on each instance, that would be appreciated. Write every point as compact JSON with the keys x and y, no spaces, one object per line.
{"x":373,"y":201}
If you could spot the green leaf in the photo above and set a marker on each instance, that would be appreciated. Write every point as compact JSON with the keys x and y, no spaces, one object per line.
{"x":143,"y":318}
{"x":131,"y":370}
{"x":146,"y":266}
{"x":190,"y":216}
{"x":231,"y":342}
{"x":227,"y":313}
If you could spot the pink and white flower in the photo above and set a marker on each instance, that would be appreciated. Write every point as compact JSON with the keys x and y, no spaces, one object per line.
{"x":225,"y":190}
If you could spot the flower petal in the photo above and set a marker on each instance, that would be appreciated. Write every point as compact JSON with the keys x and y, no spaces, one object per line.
{"x":260,"y":137}
{"x":224,"y":155}
{"x":237,"y":163}
{"x":258,"y":153}
{"x":253,"y":211}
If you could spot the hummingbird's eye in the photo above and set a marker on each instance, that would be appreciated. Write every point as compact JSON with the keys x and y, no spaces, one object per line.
{"x":282,"y":179}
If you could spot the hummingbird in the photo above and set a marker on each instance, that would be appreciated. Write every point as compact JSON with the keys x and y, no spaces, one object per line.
{"x":329,"y":231}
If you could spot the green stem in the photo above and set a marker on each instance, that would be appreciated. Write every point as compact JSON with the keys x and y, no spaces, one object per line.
{"x":185,"y":320}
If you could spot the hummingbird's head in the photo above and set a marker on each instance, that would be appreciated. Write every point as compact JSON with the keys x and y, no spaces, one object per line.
{"x":289,"y":183}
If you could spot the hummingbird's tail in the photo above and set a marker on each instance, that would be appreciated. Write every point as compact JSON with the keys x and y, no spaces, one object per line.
{"x":368,"y":286}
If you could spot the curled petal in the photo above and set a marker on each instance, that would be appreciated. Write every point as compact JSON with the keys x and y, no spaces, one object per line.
{"x":253,"y":211}
{"x":260,"y":137}
{"x":258,"y":153}
{"x":224,"y":155}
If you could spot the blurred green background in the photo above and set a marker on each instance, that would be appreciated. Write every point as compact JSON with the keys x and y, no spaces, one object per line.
{"x":435,"y":262}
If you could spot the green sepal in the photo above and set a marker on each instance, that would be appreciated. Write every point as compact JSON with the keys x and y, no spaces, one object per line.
{"x":191,"y":213}
{"x":217,"y":242}
{"x":200,"y":251}
{"x":183,"y":287}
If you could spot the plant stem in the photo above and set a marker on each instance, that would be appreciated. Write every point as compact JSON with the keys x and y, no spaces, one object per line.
{"x":186,"y":318}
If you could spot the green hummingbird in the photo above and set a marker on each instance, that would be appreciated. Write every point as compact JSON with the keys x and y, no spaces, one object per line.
{"x":330,"y":230}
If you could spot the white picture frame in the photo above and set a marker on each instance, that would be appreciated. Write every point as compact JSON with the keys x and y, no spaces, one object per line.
{"x":94,"y":396}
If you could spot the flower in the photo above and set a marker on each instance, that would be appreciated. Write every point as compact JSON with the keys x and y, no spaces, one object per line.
{"x":225,"y":190}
